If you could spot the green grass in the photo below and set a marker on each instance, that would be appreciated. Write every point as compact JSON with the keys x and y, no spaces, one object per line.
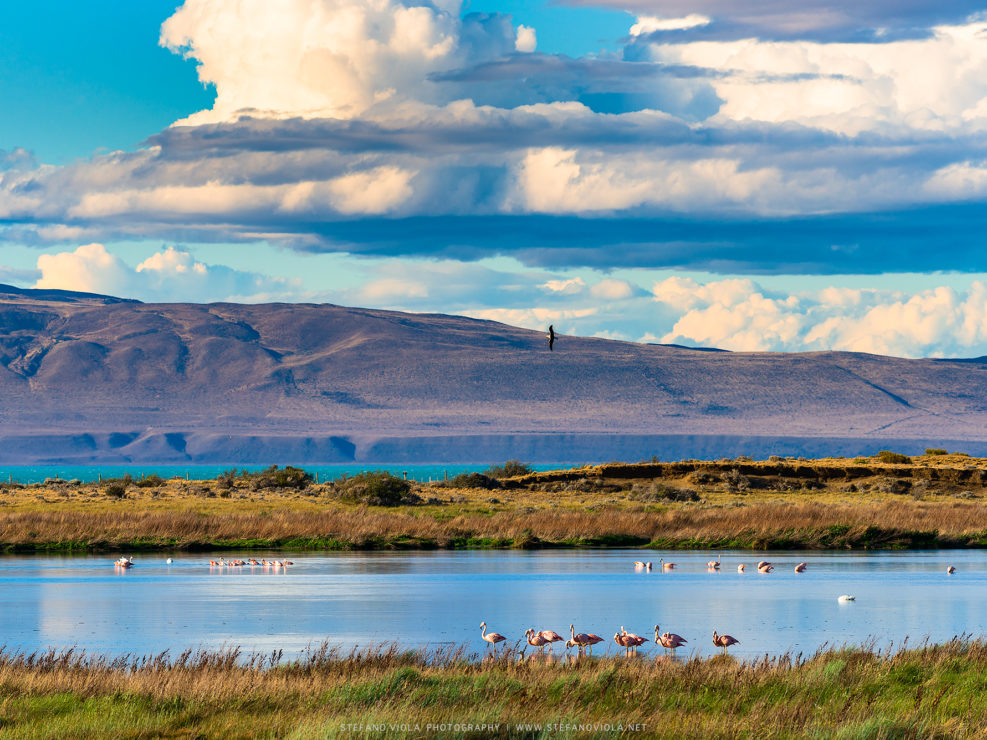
{"x":931,"y":691}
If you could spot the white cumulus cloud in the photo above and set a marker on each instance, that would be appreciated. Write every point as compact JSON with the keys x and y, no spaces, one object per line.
{"x":171,"y":275}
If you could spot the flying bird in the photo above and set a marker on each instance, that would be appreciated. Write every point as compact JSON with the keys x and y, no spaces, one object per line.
{"x":551,"y":337}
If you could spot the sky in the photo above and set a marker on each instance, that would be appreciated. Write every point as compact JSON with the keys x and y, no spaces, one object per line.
{"x":757,"y":176}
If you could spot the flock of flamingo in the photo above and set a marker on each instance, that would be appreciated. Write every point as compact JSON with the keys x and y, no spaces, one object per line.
{"x":584,"y":641}
{"x":763,"y":566}
{"x":128,"y":562}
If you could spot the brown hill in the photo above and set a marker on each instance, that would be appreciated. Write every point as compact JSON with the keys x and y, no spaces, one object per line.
{"x":93,"y":378}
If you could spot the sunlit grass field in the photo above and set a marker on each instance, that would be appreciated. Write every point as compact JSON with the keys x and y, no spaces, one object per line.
{"x":932,"y":501}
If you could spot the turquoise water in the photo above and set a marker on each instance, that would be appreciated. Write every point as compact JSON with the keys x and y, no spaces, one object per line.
{"x":440,"y":598}
{"x":89,"y":473}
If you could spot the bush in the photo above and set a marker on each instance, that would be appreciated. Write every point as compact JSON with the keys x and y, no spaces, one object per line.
{"x":935,"y":451}
{"x":150,"y":481}
{"x":227,"y":478}
{"x":886,"y":456}
{"x":474,"y":480}
{"x":377,"y":488}
{"x":510,"y":469}
{"x":115,"y":490}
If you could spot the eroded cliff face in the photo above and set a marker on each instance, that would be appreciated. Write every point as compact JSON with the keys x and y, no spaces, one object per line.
{"x":93,"y":378}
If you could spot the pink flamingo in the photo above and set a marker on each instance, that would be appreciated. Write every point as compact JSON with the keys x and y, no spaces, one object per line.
{"x":552,"y":636}
{"x":647,"y":566}
{"x":536,"y":640}
{"x":664,"y":565}
{"x":635,"y":641}
{"x":724,"y":641}
{"x":740,"y":568}
{"x":669,"y":640}
{"x":583,"y":640}
{"x":625,"y":641}
{"x":800,"y":568}
{"x":951,"y":570}
{"x":713,"y":564}
{"x":288,"y":562}
{"x":638,"y":563}
{"x":492,"y":637}
{"x":766,"y":568}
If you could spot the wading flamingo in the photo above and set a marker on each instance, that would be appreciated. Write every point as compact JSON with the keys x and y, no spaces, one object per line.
{"x":625,"y":641}
{"x":536,"y":639}
{"x":669,"y":640}
{"x":765,"y":568}
{"x":583,"y":640}
{"x":800,"y":568}
{"x":724,"y":641}
{"x":713,"y":564}
{"x":647,"y":566}
{"x":664,"y":565}
{"x":740,"y":568}
{"x":492,"y":637}
{"x":638,"y":563}
{"x":552,"y":636}
{"x":951,"y":570}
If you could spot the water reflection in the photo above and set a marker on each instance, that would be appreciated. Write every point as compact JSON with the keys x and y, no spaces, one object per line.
{"x":440,"y":598}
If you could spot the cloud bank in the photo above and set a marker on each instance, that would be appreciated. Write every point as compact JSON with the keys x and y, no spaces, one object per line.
{"x":390,"y":127}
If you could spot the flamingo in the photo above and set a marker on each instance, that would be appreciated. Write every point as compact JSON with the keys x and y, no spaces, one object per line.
{"x":669,"y":640}
{"x":740,"y":568}
{"x":762,"y":563}
{"x":552,"y":636}
{"x":493,"y":637}
{"x":253,"y":562}
{"x":714,"y":564}
{"x":288,"y":562}
{"x":800,"y":568}
{"x":536,"y":639}
{"x":951,"y":570}
{"x":583,"y":640}
{"x":169,"y":561}
{"x":635,"y":640}
{"x":638,"y":563}
{"x":647,"y":566}
{"x":664,"y":565}
{"x":766,"y":568}
{"x":845,"y":598}
{"x":724,"y":641}
{"x":625,"y":641}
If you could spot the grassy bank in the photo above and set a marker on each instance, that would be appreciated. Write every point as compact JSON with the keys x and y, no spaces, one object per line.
{"x":934,"y":501}
{"x":933,"y":691}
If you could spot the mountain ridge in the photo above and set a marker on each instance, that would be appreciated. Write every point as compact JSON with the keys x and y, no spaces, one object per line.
{"x":85,"y":377}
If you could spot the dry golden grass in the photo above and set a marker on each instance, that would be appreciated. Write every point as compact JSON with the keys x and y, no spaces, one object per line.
{"x":824,"y":504}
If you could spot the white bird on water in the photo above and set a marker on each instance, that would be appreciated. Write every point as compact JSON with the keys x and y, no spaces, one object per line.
{"x":845,"y":598}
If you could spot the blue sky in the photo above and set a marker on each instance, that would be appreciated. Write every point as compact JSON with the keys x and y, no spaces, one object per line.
{"x":698,"y":172}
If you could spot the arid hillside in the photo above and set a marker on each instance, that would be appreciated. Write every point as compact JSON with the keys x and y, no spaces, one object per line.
{"x":91,"y":378}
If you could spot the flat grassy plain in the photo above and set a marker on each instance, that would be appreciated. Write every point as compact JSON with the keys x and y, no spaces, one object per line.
{"x":928,"y":692}
{"x":932,"y":501}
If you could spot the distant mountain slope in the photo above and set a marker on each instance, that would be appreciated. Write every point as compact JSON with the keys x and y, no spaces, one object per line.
{"x":94,"y":378}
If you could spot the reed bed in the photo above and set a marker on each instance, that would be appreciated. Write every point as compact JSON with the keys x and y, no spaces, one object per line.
{"x":896,"y":524}
{"x":929,"y":691}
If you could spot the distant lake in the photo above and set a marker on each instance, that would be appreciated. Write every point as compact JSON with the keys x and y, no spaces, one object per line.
{"x":438,"y":598}
{"x":90,"y":473}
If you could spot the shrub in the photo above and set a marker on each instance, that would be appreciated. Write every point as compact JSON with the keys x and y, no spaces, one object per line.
{"x":115,"y":490}
{"x":510,"y":469}
{"x":275,"y":477}
{"x":886,"y":456}
{"x":150,"y":481}
{"x":474,"y":480}
{"x":935,"y":451}
{"x":227,"y":478}
{"x":376,"y":488}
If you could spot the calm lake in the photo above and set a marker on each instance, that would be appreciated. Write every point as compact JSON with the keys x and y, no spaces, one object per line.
{"x":91,"y":473}
{"x":441,"y":598}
